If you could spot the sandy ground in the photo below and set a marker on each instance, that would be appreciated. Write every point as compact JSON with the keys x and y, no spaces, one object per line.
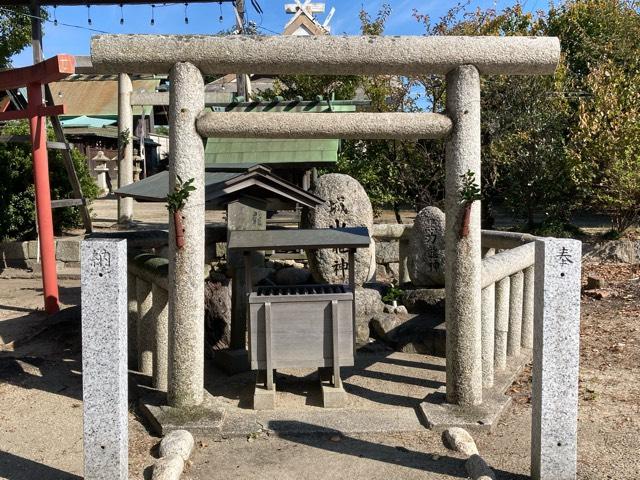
{"x":41,"y":415}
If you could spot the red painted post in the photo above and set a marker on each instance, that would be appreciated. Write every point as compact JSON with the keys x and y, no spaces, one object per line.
{"x":33,"y":78}
{"x":38,"y":129}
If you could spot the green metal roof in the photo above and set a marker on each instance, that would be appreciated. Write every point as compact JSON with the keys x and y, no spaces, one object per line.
{"x":275,"y":151}
{"x":84,"y":121}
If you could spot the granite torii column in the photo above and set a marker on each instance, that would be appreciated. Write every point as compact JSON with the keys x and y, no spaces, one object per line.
{"x":125,"y":146}
{"x":186,"y":265}
{"x":463,"y":254}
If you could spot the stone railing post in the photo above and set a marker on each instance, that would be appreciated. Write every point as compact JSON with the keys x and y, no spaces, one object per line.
{"x":104,"y":359}
{"x":527,"y":308}
{"x":160,"y":315}
{"x":502,"y":322}
{"x":463,"y":254}
{"x":145,"y":328}
{"x":556,"y":356}
{"x":514,"y":337}
{"x":488,"y":334}
{"x":132,"y":325}
{"x":488,"y":327}
{"x":186,"y":265}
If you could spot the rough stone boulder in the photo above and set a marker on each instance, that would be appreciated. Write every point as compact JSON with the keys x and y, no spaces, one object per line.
{"x":368,"y":304}
{"x":426,"y":248}
{"x":217,"y":311}
{"x":614,"y":251}
{"x":292,"y":276}
{"x":419,"y":300}
{"x":346,"y":205}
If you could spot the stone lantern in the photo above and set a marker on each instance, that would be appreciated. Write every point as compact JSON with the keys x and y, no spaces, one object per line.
{"x":102,"y":170}
{"x":137,"y":166}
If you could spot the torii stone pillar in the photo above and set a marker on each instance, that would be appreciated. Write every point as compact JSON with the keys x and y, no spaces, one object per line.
{"x":463,"y":255}
{"x":186,"y":265}
{"x":125,"y":146}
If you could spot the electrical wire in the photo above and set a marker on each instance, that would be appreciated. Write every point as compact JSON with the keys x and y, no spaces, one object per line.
{"x":7,"y":10}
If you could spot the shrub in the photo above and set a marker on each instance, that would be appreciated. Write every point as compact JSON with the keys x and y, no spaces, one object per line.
{"x":17,"y":192}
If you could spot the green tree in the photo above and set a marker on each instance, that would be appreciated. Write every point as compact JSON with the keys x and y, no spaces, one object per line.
{"x":601,"y":45}
{"x":15,"y":32}
{"x":17,"y":193}
{"x":606,"y":143}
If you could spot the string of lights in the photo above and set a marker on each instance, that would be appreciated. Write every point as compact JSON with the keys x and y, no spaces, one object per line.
{"x":90,"y":28}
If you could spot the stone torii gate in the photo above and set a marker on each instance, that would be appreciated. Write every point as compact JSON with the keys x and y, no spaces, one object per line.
{"x":34,"y":77}
{"x":461,"y":59}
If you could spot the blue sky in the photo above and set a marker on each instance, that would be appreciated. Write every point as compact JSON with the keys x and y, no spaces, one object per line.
{"x":204,"y":18}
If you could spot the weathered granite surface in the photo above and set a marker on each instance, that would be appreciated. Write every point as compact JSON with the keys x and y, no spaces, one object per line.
{"x":104,"y":359}
{"x":346,"y":205}
{"x":358,"y":55}
{"x":426,"y":248}
{"x":556,"y":356}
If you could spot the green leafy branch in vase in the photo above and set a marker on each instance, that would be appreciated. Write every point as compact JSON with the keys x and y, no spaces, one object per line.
{"x":176,"y":202}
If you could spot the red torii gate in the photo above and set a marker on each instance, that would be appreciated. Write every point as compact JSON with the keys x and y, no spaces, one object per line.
{"x":34,"y":77}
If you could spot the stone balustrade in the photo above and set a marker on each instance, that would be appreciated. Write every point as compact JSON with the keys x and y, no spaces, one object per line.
{"x":507,"y":299}
{"x":148,"y":313}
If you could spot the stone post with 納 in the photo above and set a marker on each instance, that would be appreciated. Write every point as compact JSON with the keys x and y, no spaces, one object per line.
{"x":556,"y":355}
{"x":104,"y":358}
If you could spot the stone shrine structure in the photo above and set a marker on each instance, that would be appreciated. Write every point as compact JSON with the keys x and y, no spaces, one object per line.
{"x":483,"y":296}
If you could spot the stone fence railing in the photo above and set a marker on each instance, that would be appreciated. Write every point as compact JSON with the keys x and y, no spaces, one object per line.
{"x":507,"y":289}
{"x":507,"y":299}
{"x":148,"y":312}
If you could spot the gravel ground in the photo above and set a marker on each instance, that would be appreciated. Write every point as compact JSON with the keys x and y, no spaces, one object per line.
{"x":41,"y":416}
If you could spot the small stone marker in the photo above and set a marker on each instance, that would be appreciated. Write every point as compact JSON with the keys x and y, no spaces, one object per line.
{"x":104,"y":358}
{"x":346,"y":205}
{"x":555,"y":359}
{"x":426,"y":248}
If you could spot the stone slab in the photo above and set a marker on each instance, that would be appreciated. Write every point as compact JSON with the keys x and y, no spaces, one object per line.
{"x":204,"y":419}
{"x":68,"y":250}
{"x":104,"y":359}
{"x":556,"y":355}
{"x":439,"y":415}
{"x":333,"y":397}
{"x":264,"y":399}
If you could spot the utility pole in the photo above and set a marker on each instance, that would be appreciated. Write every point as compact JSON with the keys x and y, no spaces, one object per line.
{"x":243,"y":81}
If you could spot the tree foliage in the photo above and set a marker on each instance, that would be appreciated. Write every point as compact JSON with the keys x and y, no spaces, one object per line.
{"x":550,"y":145}
{"x":17,"y":193}
{"x":15,"y":32}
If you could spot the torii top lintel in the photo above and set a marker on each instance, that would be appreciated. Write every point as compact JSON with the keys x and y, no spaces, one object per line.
{"x":51,"y":70}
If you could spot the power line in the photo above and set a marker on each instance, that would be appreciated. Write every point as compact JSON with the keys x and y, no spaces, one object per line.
{"x":51,"y":21}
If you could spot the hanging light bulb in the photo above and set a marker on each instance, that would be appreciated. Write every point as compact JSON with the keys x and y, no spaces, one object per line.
{"x":121,"y":15}
{"x":221,"y":17}
{"x":153,"y":15}
{"x":55,"y":18}
{"x":186,"y":17}
{"x":89,"y":14}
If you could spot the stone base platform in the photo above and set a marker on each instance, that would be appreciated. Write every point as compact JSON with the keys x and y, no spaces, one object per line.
{"x":439,"y":415}
{"x":385,"y":392}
